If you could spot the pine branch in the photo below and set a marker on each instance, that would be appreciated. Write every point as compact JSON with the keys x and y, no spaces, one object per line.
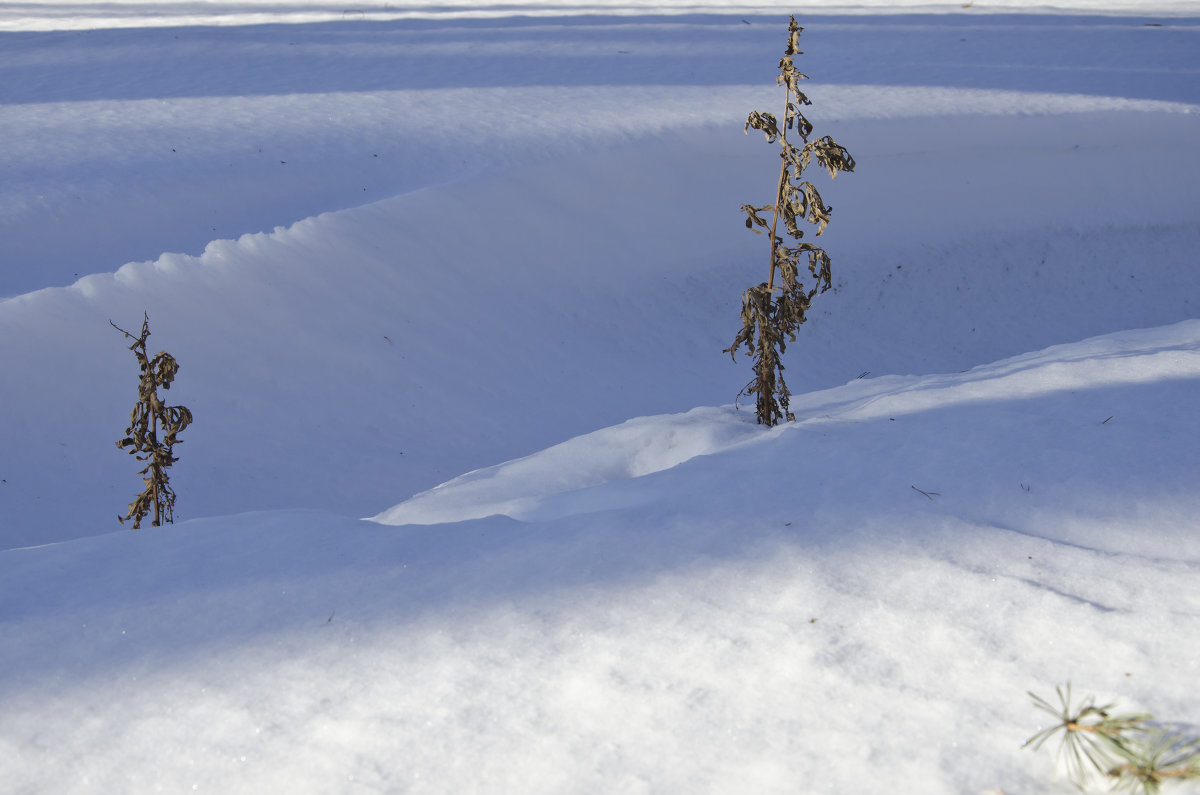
{"x":1140,"y":755}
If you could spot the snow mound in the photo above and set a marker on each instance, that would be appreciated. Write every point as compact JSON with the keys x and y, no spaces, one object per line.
{"x":562,"y":480}
{"x":1113,"y":360}
{"x":629,"y":450}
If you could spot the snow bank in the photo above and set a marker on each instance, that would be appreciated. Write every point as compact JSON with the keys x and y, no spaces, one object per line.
{"x":631,"y":449}
{"x":559,"y":481}
{"x":406,"y":361}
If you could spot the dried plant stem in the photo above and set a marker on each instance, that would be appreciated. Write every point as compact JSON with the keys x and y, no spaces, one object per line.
{"x":779,"y":197}
{"x":773,"y":310}
{"x":142,"y":437}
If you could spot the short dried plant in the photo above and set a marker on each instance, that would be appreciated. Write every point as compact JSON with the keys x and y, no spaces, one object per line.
{"x":773,"y":310}
{"x":153,"y":431}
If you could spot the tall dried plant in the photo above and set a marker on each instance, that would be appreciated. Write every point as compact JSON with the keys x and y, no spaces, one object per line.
{"x":153,"y":431}
{"x":773,"y":310}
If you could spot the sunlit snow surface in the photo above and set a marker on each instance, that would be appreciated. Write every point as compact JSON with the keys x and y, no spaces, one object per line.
{"x":1023,"y":394}
{"x":503,"y":240}
{"x":721,"y":607}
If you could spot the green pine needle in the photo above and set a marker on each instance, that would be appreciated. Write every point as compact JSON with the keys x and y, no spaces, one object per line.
{"x":1140,"y":755}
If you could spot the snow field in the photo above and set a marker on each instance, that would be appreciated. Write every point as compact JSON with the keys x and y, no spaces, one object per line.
{"x":662,"y":634}
{"x":504,"y":242}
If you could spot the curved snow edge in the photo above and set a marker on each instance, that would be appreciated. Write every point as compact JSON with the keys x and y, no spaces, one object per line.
{"x":521,"y":488}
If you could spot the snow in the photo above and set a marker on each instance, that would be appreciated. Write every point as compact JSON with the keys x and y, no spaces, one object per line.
{"x":392,"y":245}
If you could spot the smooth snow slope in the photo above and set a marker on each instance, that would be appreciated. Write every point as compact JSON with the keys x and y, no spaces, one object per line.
{"x":782,"y":612}
{"x":1111,"y":370}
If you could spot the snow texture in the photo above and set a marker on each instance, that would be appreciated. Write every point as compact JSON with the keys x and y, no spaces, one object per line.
{"x":393,"y":244}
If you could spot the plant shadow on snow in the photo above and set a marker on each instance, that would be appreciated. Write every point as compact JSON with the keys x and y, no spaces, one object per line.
{"x":1007,"y":51}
